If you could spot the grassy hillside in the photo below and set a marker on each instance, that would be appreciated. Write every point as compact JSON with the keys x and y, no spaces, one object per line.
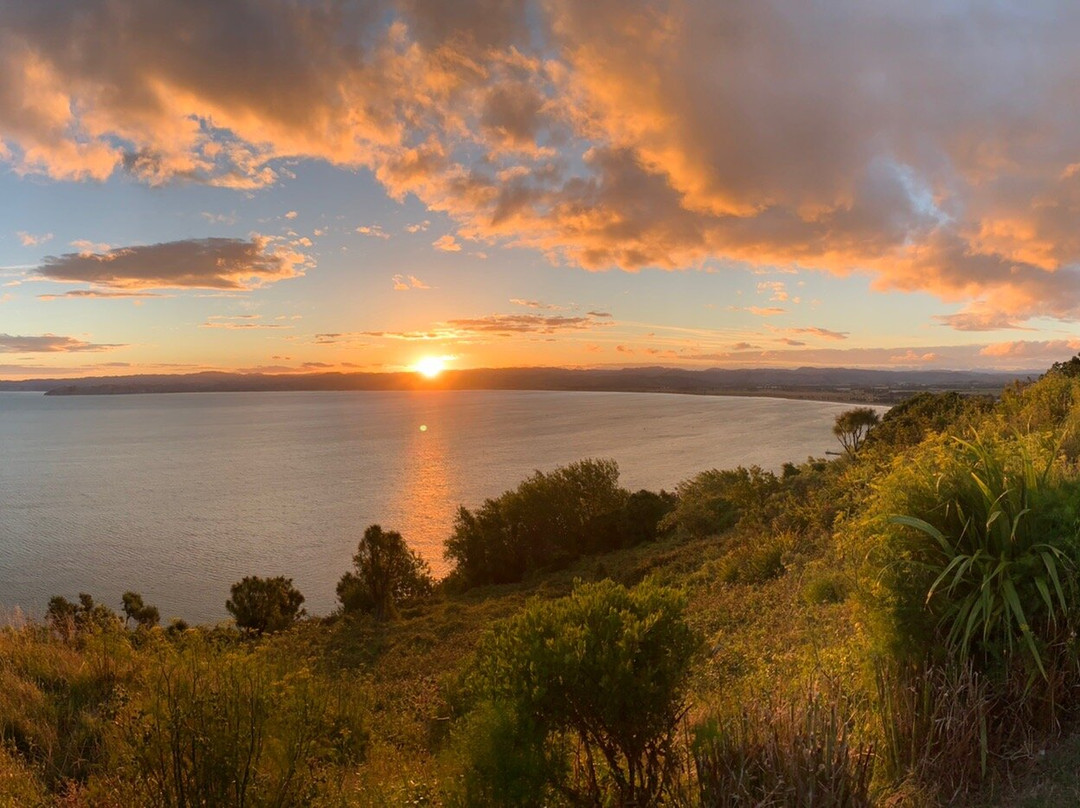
{"x":893,"y":627}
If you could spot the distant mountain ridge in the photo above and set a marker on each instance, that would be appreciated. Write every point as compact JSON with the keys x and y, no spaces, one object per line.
{"x":849,"y":383}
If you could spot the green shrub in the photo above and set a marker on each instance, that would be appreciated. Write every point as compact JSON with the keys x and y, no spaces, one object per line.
{"x":714,"y":501}
{"x":640,"y":518}
{"x":774,"y":756}
{"x":506,"y":758}
{"x":386,"y":573}
{"x":265,"y":605}
{"x":71,"y":619}
{"x":608,"y":666}
{"x":546,"y":522}
{"x":752,"y":564}
{"x":912,"y":420}
{"x":825,"y":587}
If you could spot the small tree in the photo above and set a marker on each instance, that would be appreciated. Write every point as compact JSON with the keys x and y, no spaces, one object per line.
{"x":144,"y":615}
{"x":608,"y":666}
{"x":852,"y":427}
{"x":69,"y":618}
{"x":386,"y":572}
{"x":265,"y":604}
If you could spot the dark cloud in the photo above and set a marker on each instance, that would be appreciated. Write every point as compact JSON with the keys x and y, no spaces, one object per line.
{"x":211,"y":263}
{"x":50,"y":343}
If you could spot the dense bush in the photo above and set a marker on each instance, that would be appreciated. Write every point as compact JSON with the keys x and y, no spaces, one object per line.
{"x":265,"y":605}
{"x":549,"y":520}
{"x":715,"y":500}
{"x":752,"y":564}
{"x":608,"y":667}
{"x":915,"y":418}
{"x":507,"y":759}
{"x":385,"y":573}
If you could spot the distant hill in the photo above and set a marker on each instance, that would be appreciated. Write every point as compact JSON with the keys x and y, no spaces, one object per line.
{"x":848,"y":384}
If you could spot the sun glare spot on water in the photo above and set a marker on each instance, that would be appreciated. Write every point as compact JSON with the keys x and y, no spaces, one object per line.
{"x":430,"y":366}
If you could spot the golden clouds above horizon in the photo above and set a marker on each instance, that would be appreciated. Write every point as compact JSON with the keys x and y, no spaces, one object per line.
{"x":933,"y":147}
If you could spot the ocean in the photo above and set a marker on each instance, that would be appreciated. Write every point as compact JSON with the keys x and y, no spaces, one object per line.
{"x":177,"y":496}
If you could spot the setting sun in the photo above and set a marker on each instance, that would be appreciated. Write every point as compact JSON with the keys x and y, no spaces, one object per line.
{"x":431,"y":366}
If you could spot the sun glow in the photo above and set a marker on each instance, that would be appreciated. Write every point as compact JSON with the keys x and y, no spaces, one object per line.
{"x":430,"y":366}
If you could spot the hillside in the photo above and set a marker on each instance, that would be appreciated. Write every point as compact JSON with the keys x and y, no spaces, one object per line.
{"x":893,"y":627}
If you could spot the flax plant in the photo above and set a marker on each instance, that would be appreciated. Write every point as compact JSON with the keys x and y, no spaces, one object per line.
{"x":1001,"y":556}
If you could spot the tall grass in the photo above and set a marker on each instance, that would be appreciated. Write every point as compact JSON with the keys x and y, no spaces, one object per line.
{"x":234,"y":727}
{"x":793,"y":754}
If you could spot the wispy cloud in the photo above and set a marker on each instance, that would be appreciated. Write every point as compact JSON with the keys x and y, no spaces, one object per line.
{"x":776,"y":290}
{"x":99,"y":293}
{"x":33,"y":240}
{"x":535,"y":304}
{"x":240,"y":322}
{"x":405,"y":283}
{"x":814,"y":331}
{"x":760,"y":311}
{"x":373,"y":230}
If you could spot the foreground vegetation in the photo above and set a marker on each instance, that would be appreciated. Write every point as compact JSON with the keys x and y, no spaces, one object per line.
{"x":893,"y":627}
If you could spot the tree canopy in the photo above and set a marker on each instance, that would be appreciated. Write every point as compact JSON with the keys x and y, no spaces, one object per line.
{"x":265,"y":605}
{"x":385,"y":573}
{"x":852,"y":427}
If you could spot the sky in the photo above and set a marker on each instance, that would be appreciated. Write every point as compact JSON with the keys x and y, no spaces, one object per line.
{"x":292,"y":186}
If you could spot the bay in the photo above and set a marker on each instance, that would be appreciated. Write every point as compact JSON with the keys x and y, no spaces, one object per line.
{"x":177,"y":496}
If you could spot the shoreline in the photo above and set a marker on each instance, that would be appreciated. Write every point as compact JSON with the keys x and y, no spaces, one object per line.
{"x":857,"y":397}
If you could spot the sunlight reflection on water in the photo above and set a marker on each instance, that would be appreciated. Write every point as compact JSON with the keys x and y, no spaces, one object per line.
{"x":178,"y":496}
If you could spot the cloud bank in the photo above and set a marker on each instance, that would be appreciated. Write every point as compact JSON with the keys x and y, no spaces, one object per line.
{"x":935,"y":146}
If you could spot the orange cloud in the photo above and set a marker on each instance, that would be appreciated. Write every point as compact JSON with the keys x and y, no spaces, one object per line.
{"x":936,"y":152}
{"x":446,"y":243}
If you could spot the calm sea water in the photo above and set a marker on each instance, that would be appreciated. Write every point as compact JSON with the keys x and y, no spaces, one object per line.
{"x":178,"y":496}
